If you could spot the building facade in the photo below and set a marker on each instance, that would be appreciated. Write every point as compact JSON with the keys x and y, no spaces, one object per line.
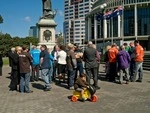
{"x":74,"y":20}
{"x":33,"y":31}
{"x":133,"y":23}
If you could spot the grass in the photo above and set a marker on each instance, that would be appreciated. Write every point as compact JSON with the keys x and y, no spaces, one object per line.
{"x":5,"y":61}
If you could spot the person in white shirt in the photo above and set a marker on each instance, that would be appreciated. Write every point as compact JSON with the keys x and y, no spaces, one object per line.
{"x":62,"y":63}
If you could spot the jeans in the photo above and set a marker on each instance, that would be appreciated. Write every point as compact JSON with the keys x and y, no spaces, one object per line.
{"x":92,"y":71}
{"x":80,"y":68}
{"x":138,"y":70}
{"x":121,"y":72}
{"x":24,"y":82}
{"x":51,"y":74}
{"x":71,"y":77}
{"x":46,"y":77}
{"x":132,"y":68}
{"x":35,"y":69}
{"x":55,"y":65}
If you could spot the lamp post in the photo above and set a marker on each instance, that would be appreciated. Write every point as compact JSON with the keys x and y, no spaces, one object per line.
{"x":103,"y":11}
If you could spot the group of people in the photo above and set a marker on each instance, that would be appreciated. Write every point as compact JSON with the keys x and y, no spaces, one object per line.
{"x":64,"y":61}
{"x":124,"y":61}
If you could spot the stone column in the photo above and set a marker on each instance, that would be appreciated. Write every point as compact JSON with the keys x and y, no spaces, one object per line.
{"x":89,"y":28}
{"x":105,"y":28}
{"x":119,"y":26}
{"x":135,"y":18}
{"x":95,"y":29}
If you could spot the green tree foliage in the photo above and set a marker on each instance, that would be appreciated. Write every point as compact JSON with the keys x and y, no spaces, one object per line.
{"x":1,"y":19}
{"x":7,"y":42}
{"x":60,"y":39}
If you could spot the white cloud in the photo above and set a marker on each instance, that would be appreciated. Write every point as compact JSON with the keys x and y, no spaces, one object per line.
{"x":27,"y":19}
{"x":60,"y":13}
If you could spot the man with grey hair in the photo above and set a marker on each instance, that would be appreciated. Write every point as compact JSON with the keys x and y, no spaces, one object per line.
{"x":123,"y":59}
{"x":91,"y":64}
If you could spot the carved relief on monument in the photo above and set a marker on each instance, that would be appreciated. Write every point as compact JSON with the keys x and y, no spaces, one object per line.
{"x":47,"y":35}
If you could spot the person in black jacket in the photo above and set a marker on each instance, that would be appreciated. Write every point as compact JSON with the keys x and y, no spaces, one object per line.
{"x":91,"y":64}
{"x":15,"y":69}
{"x":1,"y":64}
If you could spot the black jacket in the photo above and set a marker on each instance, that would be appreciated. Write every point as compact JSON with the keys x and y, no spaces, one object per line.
{"x":89,"y":57}
{"x":1,"y":60}
{"x":14,"y":57}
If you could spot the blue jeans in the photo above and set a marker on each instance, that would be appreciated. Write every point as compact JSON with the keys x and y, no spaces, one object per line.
{"x":71,"y":77}
{"x":24,"y":82}
{"x":138,"y":70}
{"x":80,"y":68}
{"x":131,"y":68}
{"x":46,"y":77}
{"x":51,"y":74}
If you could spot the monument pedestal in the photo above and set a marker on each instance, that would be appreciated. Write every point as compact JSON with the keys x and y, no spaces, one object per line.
{"x":46,"y":30}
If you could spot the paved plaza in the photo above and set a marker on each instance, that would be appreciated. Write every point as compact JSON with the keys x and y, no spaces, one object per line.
{"x":113,"y":98}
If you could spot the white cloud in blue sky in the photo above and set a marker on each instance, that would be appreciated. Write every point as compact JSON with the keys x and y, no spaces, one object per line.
{"x":27,"y":19}
{"x":60,"y":13}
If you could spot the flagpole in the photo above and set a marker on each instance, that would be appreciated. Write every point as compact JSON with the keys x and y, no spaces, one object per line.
{"x":122,"y":24}
{"x":112,"y":38}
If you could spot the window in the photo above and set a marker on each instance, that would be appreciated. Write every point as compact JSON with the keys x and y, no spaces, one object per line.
{"x":143,"y":16}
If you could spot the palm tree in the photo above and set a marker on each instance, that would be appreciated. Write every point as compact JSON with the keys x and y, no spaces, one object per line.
{"x":1,"y":19}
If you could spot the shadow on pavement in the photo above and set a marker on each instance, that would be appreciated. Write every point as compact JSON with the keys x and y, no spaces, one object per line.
{"x":37,"y":86}
{"x":61,"y":84}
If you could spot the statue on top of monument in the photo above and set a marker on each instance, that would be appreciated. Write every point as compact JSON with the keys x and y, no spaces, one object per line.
{"x":47,"y":9}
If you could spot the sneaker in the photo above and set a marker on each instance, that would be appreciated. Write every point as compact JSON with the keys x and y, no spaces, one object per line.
{"x":83,"y":99}
{"x":97,"y":87}
{"x":138,"y":80}
{"x":71,"y":88}
{"x":47,"y":89}
{"x":30,"y":91}
{"x":120,"y":83}
{"x":127,"y":82}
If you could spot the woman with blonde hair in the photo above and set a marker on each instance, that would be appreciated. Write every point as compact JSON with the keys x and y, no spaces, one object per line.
{"x":106,"y":60}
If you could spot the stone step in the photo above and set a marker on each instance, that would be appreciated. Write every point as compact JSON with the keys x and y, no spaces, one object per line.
{"x":146,"y":68}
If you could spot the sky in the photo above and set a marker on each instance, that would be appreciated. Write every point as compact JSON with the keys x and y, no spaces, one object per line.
{"x":19,"y":15}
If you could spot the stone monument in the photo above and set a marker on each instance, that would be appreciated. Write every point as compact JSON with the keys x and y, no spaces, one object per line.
{"x":47,"y":25}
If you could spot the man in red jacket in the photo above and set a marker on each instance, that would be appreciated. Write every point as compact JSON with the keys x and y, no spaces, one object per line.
{"x":112,"y":55}
{"x":139,"y":54}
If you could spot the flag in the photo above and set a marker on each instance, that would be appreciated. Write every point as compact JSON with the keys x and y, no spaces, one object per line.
{"x":99,"y":17}
{"x":108,"y":15}
{"x":117,"y":11}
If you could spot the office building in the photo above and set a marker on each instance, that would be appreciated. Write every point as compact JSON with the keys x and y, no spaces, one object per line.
{"x":74,"y":20}
{"x":133,"y":23}
{"x":33,"y":32}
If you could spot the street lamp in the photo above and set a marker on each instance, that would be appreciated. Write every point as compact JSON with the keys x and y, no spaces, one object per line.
{"x":103,"y":9}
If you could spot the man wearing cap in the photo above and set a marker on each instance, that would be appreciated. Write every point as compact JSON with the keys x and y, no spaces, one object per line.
{"x":91,"y":64}
{"x":71,"y":65}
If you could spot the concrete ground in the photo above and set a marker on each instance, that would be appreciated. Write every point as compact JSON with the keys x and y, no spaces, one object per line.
{"x":112,"y":98}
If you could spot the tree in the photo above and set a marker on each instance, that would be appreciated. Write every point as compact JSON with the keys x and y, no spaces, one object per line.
{"x":60,"y":39}
{"x":7,"y":42}
{"x":1,"y":19}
